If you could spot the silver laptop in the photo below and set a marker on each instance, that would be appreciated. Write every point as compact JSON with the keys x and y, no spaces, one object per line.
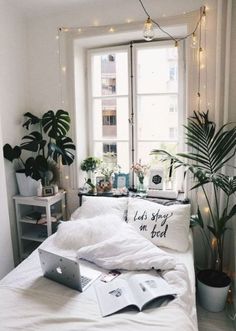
{"x":66,"y":271}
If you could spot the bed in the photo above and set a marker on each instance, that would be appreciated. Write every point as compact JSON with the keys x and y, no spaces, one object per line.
{"x":31,"y":302}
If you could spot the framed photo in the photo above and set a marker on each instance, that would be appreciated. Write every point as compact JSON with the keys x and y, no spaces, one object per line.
{"x":121,"y":180}
{"x":48,"y":191}
{"x":156,"y":179}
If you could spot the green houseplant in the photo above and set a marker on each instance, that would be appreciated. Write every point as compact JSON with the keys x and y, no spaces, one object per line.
{"x":211,"y":151}
{"x":89,"y":165}
{"x":44,"y":147}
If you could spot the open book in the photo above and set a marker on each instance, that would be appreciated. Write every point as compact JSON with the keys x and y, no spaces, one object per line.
{"x":139,"y":290}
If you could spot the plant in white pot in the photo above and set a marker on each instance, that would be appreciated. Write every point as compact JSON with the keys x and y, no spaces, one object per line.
{"x":211,"y":151}
{"x":89,"y":165}
{"x":40,"y":151}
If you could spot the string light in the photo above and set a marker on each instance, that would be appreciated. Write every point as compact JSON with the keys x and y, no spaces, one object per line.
{"x":150,"y":21}
{"x":213,"y":242}
{"x":148,"y":31}
{"x":194,"y":40}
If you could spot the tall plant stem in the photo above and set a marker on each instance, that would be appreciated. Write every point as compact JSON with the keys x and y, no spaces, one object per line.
{"x":209,"y":206}
{"x":22,"y":162}
{"x":41,"y":131}
{"x":217,"y":204}
{"x":209,"y":244}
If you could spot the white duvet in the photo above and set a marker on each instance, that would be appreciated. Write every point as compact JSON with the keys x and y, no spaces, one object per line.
{"x":32,"y":302}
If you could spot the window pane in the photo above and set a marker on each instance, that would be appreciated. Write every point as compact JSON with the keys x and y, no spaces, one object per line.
{"x":110,"y":118}
{"x":145,"y":148}
{"x":110,"y":74}
{"x":115,"y":152}
{"x":157,"y":117}
{"x":157,"y":69}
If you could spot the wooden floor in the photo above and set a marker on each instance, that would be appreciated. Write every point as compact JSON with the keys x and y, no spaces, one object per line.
{"x":214,"y":321}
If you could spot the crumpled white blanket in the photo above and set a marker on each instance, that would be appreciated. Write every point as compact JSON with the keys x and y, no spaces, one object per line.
{"x":121,"y":247}
{"x":127,"y":250}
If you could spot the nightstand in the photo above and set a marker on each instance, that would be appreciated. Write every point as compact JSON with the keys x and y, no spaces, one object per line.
{"x":37,"y":218}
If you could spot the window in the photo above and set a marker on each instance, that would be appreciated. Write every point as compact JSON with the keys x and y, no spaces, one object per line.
{"x":155,"y":98}
{"x":109,"y":148}
{"x":173,"y":133}
{"x":108,"y":120}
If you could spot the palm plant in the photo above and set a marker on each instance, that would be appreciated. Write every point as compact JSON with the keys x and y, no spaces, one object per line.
{"x":47,"y":144}
{"x":211,"y":150}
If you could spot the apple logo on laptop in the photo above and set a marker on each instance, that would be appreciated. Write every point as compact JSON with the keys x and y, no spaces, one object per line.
{"x":59,"y":271}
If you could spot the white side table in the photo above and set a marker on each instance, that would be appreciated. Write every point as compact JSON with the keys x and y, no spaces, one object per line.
{"x":30,"y":233}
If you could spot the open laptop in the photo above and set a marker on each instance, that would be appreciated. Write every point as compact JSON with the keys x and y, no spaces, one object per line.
{"x":66,"y":271}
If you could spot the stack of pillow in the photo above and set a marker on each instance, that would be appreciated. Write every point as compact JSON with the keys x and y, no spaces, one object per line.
{"x":164,"y":226}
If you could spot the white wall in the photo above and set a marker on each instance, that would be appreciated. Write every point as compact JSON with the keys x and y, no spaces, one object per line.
{"x":44,"y":61}
{"x":13,"y":91}
{"x":6,"y":256}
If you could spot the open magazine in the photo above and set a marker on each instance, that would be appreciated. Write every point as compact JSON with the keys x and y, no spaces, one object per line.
{"x":138,"y":290}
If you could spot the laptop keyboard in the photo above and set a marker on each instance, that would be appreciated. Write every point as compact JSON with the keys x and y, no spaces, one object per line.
{"x":84,"y":281}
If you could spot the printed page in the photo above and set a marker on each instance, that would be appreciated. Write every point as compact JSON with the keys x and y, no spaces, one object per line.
{"x":147,"y":286}
{"x":113,"y":296}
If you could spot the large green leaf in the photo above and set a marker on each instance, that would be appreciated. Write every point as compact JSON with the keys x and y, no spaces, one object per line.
{"x":34,"y":142}
{"x":213,"y":149}
{"x":62,"y":148}
{"x":226,"y":183}
{"x":11,"y":153}
{"x":34,"y":167}
{"x":56,"y":125}
{"x":32,"y":119}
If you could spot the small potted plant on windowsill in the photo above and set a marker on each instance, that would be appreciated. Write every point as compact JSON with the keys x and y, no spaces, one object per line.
{"x":89,"y":165}
{"x":47,"y":144}
{"x":211,"y":151}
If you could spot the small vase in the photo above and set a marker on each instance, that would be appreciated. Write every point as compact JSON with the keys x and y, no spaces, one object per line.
{"x":140,"y":185}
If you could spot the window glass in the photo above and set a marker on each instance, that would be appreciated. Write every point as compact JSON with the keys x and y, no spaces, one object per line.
{"x":156,"y":102}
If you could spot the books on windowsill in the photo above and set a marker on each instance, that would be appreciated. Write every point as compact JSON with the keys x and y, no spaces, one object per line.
{"x":165,"y":194}
{"x":138,"y":291}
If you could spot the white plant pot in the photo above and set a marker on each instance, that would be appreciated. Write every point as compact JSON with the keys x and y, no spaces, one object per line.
{"x":27,"y":186}
{"x":212,"y":298}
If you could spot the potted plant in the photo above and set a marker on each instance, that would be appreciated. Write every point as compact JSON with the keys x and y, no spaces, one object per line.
{"x":211,"y":150}
{"x":90,"y":165}
{"x":47,"y":144}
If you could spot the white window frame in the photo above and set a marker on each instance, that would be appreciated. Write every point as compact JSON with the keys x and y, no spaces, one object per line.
{"x":90,"y":53}
{"x":181,"y":93}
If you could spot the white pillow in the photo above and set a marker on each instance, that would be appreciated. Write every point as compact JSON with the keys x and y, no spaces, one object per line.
{"x":84,"y":232}
{"x":165,"y":226}
{"x":94,"y":206}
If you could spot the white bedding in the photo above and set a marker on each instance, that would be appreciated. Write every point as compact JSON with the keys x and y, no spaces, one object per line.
{"x":29,"y":301}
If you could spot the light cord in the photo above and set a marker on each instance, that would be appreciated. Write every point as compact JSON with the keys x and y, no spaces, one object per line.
{"x":202,"y":13}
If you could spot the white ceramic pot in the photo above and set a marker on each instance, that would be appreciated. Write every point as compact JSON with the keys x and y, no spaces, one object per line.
{"x":212,"y":298}
{"x":27,"y":185}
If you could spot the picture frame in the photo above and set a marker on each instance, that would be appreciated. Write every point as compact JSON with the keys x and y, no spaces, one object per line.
{"x":121,"y":180}
{"x":48,"y":191}
{"x":156,"y":179}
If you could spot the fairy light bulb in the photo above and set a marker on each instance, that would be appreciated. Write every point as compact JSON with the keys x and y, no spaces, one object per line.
{"x":194,"y":40}
{"x":148,"y":31}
